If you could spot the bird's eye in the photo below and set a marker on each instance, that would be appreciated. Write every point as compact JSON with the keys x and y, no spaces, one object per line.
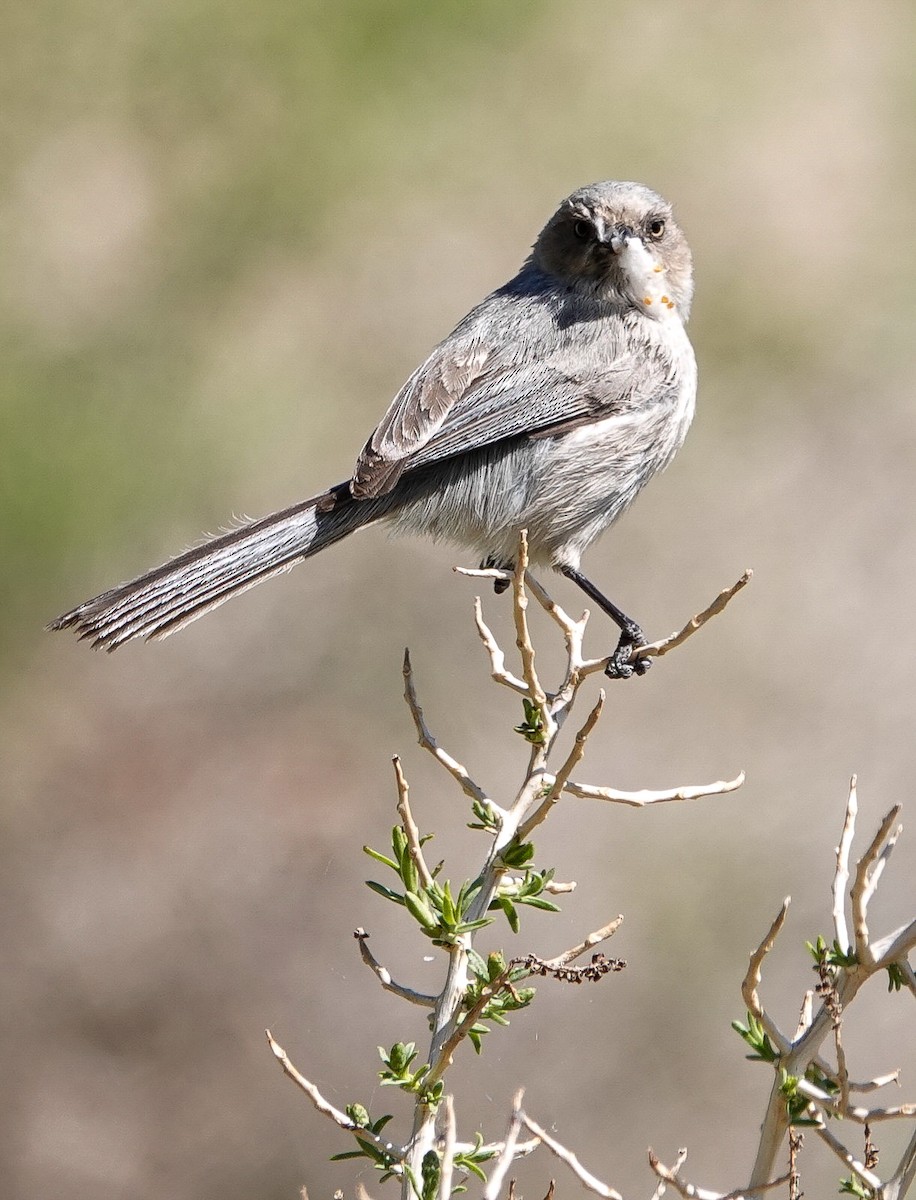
{"x":655,"y":228}
{"x":583,"y":230}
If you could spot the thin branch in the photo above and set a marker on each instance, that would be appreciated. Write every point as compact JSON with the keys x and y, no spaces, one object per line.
{"x":842,"y":1071}
{"x":325,"y":1106}
{"x":894,"y":948}
{"x":902,"y":1179}
{"x":753,"y":977}
{"x":505,"y":1160}
{"x":642,"y":799}
{"x":448,"y":1147}
{"x":522,"y":1149}
{"x":522,"y":633}
{"x":662,"y":1184}
{"x":864,"y":953}
{"x":562,"y":776}
{"x":428,"y":742}
{"x":666,"y":645}
{"x":804,"y":1017}
{"x":875,"y":876}
{"x":593,"y":939}
{"x":384,"y":976}
{"x":868,"y":1085}
{"x":841,"y":875}
{"x":555,"y":888}
{"x":689,"y":1190}
{"x":566,"y":1156}
{"x":409,"y":825}
{"x":498,"y":670}
{"x":852,"y":1112}
{"x":858,"y":1168}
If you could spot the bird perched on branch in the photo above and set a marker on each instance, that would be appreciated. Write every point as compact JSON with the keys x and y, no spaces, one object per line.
{"x":547,"y":408}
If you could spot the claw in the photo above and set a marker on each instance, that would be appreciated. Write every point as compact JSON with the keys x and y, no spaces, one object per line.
{"x":621,"y":664}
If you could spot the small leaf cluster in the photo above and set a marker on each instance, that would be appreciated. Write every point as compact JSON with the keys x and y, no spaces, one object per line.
{"x":853,"y":1186}
{"x":505,"y":999}
{"x":371,"y":1149}
{"x":764,"y":1051}
{"x":397,"y":1073}
{"x":441,"y":915}
{"x":470,"y":1160}
{"x":758,"y":1039}
{"x":796,"y":1101}
{"x":488,"y":818}
{"x":532,"y":728}
{"x":527,"y":890}
{"x":830,"y":957}
{"x":895,"y":977}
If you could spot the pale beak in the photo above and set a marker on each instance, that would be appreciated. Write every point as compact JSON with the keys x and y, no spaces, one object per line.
{"x":619,"y":237}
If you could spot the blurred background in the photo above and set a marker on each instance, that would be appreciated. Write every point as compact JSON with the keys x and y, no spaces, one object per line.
{"x":228,"y":231}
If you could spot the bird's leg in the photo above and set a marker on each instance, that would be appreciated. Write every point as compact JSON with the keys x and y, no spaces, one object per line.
{"x":619,"y":665}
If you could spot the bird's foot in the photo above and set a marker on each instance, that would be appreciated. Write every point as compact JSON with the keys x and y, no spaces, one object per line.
{"x":622,"y":663}
{"x":492,"y":563}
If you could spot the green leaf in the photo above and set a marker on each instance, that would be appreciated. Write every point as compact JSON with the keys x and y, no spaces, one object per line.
{"x":420,"y":910}
{"x":430,"y":1171}
{"x":518,"y":854}
{"x":511,"y":914}
{"x":398,"y":842}
{"x":476,"y":965}
{"x":396,"y":897}
{"x":538,"y":902}
{"x":895,"y":977}
{"x":382,"y":858}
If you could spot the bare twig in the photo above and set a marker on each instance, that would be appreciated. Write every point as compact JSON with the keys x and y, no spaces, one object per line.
{"x":753,"y":976}
{"x":645,"y":797}
{"x":691,"y":1192}
{"x":506,"y":1157}
{"x":859,"y":897}
{"x":522,"y":633}
{"x":662,"y":1184}
{"x":448,"y":1147}
{"x":804,"y":1017}
{"x":593,"y":939}
{"x":428,"y":742}
{"x":395,"y":1153}
{"x":323,"y":1106}
{"x":411,"y":832}
{"x":666,"y":645}
{"x":562,"y":776}
{"x":858,"y":1168}
{"x":586,"y":1178}
{"x":498,"y":669}
{"x":384,"y":976}
{"x":902,"y":1179}
{"x":841,"y":876}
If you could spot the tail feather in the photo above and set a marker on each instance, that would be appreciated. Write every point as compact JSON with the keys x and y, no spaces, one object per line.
{"x":183,"y":589}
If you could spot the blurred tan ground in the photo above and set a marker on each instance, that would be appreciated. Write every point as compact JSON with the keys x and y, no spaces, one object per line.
{"x":227,"y":233}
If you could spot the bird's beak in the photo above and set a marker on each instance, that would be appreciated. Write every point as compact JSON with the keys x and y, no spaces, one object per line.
{"x":619,"y":236}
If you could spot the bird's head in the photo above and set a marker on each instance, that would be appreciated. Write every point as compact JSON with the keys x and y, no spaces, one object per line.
{"x":619,"y":241}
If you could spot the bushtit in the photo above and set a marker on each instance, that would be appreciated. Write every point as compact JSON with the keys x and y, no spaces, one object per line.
{"x":547,"y":408}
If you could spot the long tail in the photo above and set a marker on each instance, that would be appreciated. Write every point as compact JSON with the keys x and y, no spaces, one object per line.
{"x":183,"y":589}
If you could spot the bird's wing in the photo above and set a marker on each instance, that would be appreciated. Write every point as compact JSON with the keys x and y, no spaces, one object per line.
{"x":469,"y":394}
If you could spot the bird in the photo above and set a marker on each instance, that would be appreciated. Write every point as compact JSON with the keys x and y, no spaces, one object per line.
{"x":547,"y":408}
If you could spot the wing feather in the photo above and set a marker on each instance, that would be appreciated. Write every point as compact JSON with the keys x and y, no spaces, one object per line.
{"x":474,"y":390}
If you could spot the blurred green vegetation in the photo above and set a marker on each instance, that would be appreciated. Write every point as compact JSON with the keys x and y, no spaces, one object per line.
{"x":240,"y":126}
